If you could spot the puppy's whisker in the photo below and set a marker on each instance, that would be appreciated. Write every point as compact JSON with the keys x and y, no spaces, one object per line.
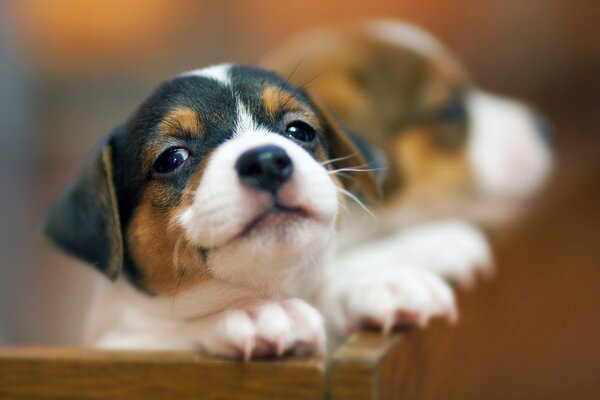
{"x":334,"y":171}
{"x":287,"y":79}
{"x":338,"y":159}
{"x":306,"y":83}
{"x":176,"y":253}
{"x":357,"y":201}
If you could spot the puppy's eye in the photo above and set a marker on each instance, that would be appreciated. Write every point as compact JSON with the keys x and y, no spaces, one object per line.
{"x":170,"y":159}
{"x":301,"y":130}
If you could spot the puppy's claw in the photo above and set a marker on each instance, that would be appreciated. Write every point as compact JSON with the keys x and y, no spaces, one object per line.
{"x":246,"y":348}
{"x":270,"y":329}
{"x":389,"y":297}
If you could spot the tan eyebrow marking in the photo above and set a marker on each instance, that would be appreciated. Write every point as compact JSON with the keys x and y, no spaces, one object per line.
{"x":276,"y":100}
{"x":181,"y":118}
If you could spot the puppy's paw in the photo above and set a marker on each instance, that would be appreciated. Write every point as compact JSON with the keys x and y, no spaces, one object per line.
{"x":453,"y":249}
{"x":269,"y":329}
{"x":387,"y":297}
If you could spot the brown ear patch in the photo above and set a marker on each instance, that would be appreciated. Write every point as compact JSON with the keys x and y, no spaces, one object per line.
{"x":114,"y":229}
{"x":429,"y":173}
{"x":168,"y":263}
{"x":347,"y":155}
{"x":181,"y":119}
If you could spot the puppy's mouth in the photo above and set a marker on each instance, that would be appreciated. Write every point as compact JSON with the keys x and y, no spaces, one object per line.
{"x":276,"y":215}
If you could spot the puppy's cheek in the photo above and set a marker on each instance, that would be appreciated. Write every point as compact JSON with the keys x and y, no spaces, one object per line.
{"x":272,"y":257}
{"x":166,"y":263}
{"x":508,"y":155}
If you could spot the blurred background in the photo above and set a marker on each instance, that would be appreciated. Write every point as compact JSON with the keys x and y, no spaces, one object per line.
{"x":70,"y":70}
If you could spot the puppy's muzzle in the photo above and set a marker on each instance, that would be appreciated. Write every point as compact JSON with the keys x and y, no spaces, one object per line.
{"x":265,"y":168}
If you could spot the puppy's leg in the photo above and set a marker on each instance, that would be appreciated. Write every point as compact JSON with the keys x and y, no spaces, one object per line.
{"x":262,"y":329}
{"x":453,"y":249}
{"x":365,"y":292}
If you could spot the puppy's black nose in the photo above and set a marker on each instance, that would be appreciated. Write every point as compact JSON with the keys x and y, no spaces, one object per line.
{"x":545,"y":130}
{"x":265,"y":168}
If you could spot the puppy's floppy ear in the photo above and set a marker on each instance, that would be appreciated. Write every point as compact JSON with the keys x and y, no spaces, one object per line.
{"x":348,"y":155}
{"x":84,"y":220}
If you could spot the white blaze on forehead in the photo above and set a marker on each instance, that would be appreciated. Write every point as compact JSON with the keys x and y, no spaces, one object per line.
{"x":217,"y":72}
{"x":245,"y":123}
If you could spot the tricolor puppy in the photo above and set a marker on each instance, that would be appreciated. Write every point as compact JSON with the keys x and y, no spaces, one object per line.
{"x":451,"y":151}
{"x":213,"y":209}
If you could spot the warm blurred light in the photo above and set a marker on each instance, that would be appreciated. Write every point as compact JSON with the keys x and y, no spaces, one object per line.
{"x":68,"y":34}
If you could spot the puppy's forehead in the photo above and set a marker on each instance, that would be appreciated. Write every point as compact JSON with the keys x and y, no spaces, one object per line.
{"x":219,"y":96}
{"x":203,"y":108}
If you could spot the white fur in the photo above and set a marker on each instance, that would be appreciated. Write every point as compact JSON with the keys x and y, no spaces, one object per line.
{"x":506,"y":150}
{"x":382,"y":294}
{"x":245,"y":123}
{"x":452,"y":249}
{"x":402,"y":273}
{"x":261,"y":328}
{"x":217,"y":72}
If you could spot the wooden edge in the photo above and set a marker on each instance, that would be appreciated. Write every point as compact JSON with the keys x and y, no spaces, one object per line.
{"x":369,"y":365}
{"x":68,"y":373}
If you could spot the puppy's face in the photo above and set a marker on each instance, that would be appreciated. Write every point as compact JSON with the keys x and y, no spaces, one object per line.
{"x":448,"y":144}
{"x":223,"y":173}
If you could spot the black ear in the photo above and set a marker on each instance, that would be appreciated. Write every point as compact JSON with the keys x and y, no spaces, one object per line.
{"x":348,"y":154}
{"x":84,"y":220}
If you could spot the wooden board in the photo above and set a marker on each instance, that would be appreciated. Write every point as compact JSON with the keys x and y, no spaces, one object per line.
{"x":367,"y":366}
{"x":69,"y":373}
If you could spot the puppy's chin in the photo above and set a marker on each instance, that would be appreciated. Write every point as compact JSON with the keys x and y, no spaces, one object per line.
{"x":281,"y":248}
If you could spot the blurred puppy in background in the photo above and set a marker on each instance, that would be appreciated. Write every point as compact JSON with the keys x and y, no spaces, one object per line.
{"x":448,"y":149}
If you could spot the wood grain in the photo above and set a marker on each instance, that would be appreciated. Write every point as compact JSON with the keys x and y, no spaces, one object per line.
{"x":69,"y":373}
{"x":370,"y":366}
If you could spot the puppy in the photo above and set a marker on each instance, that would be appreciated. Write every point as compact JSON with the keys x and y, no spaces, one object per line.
{"x":212,"y":210}
{"x":450,"y":151}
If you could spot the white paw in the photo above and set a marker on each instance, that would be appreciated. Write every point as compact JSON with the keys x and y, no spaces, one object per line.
{"x":270,"y":329}
{"x":384,"y":297}
{"x":453,"y":249}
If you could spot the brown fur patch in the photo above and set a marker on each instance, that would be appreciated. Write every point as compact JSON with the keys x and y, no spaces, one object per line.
{"x":168,"y":263}
{"x":181,"y":119}
{"x":113,"y":225}
{"x":429,"y":173}
{"x":277,"y":101}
